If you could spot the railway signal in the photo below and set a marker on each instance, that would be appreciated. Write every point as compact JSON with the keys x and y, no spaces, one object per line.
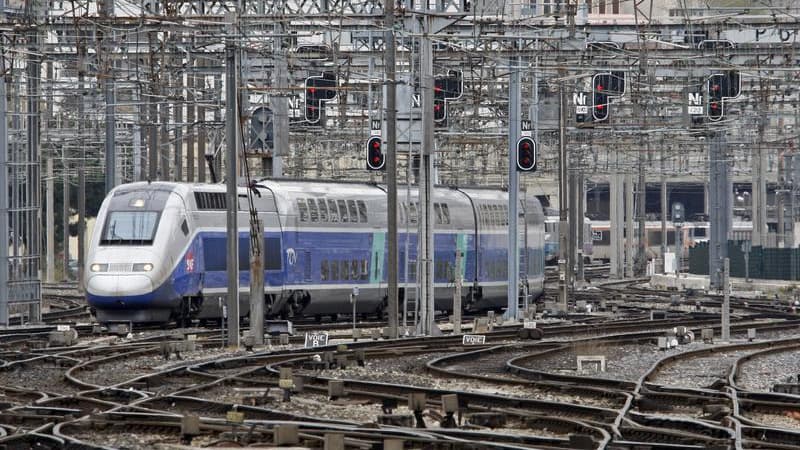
{"x":526,"y":154}
{"x":605,"y":86}
{"x":721,"y":86}
{"x":445,"y":88}
{"x":376,"y":160}
{"x":319,"y":89}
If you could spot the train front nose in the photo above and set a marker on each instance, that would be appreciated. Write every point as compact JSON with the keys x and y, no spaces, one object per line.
{"x":116,"y":290}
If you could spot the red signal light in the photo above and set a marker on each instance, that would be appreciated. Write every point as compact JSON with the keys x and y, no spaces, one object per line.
{"x":375,"y":157}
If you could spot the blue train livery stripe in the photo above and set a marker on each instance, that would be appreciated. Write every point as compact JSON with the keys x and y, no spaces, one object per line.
{"x":301,"y":253}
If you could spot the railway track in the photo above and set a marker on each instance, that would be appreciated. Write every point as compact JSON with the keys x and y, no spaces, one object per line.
{"x":509,"y":392}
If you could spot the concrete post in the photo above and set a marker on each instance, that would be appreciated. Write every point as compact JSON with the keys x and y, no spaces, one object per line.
{"x":232,"y":197}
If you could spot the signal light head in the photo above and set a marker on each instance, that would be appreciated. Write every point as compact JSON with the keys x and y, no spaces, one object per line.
{"x":375,"y":157}
{"x":526,"y":154}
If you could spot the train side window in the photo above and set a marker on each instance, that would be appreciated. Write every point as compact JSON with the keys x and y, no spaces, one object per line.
{"x":323,"y":210}
{"x":437,"y":208}
{"x":344,"y":269}
{"x":343,"y":210}
{"x":333,"y":211}
{"x":302,"y":208}
{"x":334,"y":270}
{"x":504,"y":211}
{"x":402,"y":212}
{"x":412,"y":209}
{"x":446,"y":213}
{"x":481,"y":218}
{"x":365,"y":269}
{"x":323,"y":270}
{"x":352,"y":211}
{"x":362,"y":211}
{"x":185,"y":228}
{"x":314,"y":212}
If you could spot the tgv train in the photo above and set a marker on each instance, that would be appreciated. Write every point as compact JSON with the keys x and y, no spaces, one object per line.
{"x":158,"y":252}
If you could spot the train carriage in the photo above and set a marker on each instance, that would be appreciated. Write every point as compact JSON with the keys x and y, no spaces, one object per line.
{"x":159,"y":251}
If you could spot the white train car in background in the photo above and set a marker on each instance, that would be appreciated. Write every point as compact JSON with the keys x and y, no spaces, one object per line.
{"x":692,"y":233}
{"x":551,"y":239}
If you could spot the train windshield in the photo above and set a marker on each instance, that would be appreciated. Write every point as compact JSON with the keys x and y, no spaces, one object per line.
{"x":130,"y":228}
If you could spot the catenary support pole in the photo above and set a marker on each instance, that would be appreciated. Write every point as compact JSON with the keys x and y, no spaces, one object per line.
{"x":616,"y":188}
{"x":512,"y":290}
{"x":280,"y":100}
{"x":563,"y":196}
{"x":50,"y":222}
{"x":257,"y":281}
{"x":457,"y":292}
{"x":726,"y":300}
{"x":391,"y":170}
{"x":4,"y":226}
{"x":232,"y":197}
{"x":719,"y":207}
{"x":629,"y":231}
{"x":425,"y":258}
{"x":82,"y":98}
{"x":64,"y":211}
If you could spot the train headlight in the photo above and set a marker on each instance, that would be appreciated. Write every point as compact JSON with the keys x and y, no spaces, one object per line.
{"x":99,"y":267}
{"x":143,"y":267}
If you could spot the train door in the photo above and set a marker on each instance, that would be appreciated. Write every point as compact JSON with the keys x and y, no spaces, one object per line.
{"x":377,"y":258}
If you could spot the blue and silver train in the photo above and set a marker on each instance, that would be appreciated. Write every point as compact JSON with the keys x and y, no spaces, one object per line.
{"x":158,"y":251}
